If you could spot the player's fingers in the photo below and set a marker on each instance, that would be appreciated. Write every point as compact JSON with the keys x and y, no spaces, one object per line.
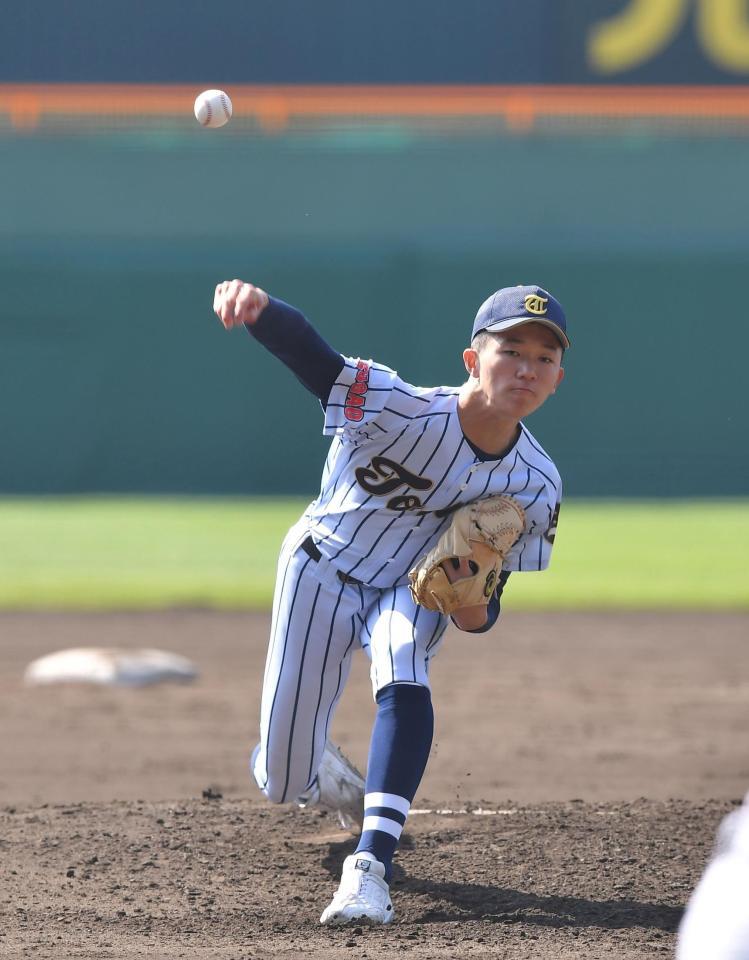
{"x":232,"y":293}
{"x":234,"y":298}
{"x":243,"y":304}
{"x":220,"y":301}
{"x":236,"y":302}
{"x":457,"y":568}
{"x":236,"y":287}
{"x":218,"y":296}
{"x":250,"y":302}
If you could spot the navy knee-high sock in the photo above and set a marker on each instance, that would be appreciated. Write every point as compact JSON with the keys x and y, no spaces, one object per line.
{"x":398,"y":754}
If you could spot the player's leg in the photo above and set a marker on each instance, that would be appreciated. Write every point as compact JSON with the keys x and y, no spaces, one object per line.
{"x":400,"y":639}
{"x":313,"y":633}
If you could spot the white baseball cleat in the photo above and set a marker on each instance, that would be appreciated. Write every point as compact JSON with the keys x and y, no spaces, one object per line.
{"x":362,"y":896}
{"x":339,"y":787}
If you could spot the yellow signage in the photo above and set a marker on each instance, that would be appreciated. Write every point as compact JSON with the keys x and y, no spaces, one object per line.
{"x":647,"y":27}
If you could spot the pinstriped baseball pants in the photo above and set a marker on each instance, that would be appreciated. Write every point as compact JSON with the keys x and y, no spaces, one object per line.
{"x":317,"y":623}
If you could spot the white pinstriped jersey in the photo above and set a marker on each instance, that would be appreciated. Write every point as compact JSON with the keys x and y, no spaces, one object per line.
{"x":399,"y":464}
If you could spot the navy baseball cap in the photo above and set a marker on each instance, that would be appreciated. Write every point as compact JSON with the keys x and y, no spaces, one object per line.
{"x":514,"y":306}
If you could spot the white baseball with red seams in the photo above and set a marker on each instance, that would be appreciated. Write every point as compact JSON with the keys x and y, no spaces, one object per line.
{"x":213,"y":108}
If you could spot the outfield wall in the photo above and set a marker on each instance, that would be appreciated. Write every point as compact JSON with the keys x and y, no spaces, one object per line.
{"x":115,"y":375}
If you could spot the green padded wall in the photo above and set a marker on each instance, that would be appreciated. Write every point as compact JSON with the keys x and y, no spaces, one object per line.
{"x":115,"y":376}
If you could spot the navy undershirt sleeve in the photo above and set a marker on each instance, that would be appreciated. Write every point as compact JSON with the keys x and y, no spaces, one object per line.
{"x":288,"y":335}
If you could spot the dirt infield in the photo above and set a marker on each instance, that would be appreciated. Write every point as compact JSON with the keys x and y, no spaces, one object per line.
{"x":550,"y":732}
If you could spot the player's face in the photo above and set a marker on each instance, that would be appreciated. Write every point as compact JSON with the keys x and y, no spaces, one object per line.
{"x":517,"y":370}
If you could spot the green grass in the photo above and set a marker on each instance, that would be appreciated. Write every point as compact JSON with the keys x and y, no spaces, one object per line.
{"x":101,"y":553}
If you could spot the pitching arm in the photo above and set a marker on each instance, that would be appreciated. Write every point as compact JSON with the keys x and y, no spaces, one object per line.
{"x":288,"y":335}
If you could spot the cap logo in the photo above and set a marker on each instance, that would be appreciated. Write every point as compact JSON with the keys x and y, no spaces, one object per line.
{"x":535,"y":304}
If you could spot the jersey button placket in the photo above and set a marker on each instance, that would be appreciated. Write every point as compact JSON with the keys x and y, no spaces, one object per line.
{"x":468,"y":478}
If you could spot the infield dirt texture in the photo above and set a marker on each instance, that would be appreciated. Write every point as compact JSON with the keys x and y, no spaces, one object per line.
{"x":594,"y":755}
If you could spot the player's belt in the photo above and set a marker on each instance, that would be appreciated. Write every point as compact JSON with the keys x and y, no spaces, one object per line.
{"x":311,"y":549}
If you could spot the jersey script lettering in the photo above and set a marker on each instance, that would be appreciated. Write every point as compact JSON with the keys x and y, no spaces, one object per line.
{"x":384,"y":476}
{"x":551,"y":532}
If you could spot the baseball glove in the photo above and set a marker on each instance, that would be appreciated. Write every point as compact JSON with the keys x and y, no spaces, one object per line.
{"x":494,"y":523}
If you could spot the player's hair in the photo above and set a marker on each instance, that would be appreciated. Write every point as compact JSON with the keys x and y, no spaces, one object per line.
{"x":480,"y":340}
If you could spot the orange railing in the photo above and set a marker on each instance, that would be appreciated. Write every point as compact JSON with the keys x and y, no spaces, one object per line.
{"x":28,"y":106}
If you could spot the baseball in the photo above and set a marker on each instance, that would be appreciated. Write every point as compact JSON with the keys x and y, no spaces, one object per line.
{"x":213,"y":108}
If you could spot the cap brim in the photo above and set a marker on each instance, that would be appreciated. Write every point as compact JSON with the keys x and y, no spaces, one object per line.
{"x":521,"y":321}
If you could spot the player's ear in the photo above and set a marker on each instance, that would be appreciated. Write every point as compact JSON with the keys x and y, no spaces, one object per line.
{"x":560,"y":377}
{"x":471,"y":361}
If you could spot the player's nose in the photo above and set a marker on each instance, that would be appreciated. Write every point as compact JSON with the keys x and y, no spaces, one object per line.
{"x":526,"y":370}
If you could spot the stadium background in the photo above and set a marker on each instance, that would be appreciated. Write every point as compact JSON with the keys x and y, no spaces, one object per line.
{"x":386,"y":169}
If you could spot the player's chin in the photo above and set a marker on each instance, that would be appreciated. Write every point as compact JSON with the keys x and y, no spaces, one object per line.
{"x":513,"y":411}
{"x":521,"y":403}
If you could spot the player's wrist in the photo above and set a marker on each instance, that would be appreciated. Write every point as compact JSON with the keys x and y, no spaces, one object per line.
{"x":470,"y":618}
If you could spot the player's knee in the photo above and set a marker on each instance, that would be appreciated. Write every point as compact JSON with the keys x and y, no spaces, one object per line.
{"x":281,"y":790}
{"x":275,"y":792}
{"x":279,"y":786}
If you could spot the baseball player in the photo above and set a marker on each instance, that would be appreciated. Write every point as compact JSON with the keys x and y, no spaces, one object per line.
{"x":430,"y":498}
{"x":716,"y":921}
